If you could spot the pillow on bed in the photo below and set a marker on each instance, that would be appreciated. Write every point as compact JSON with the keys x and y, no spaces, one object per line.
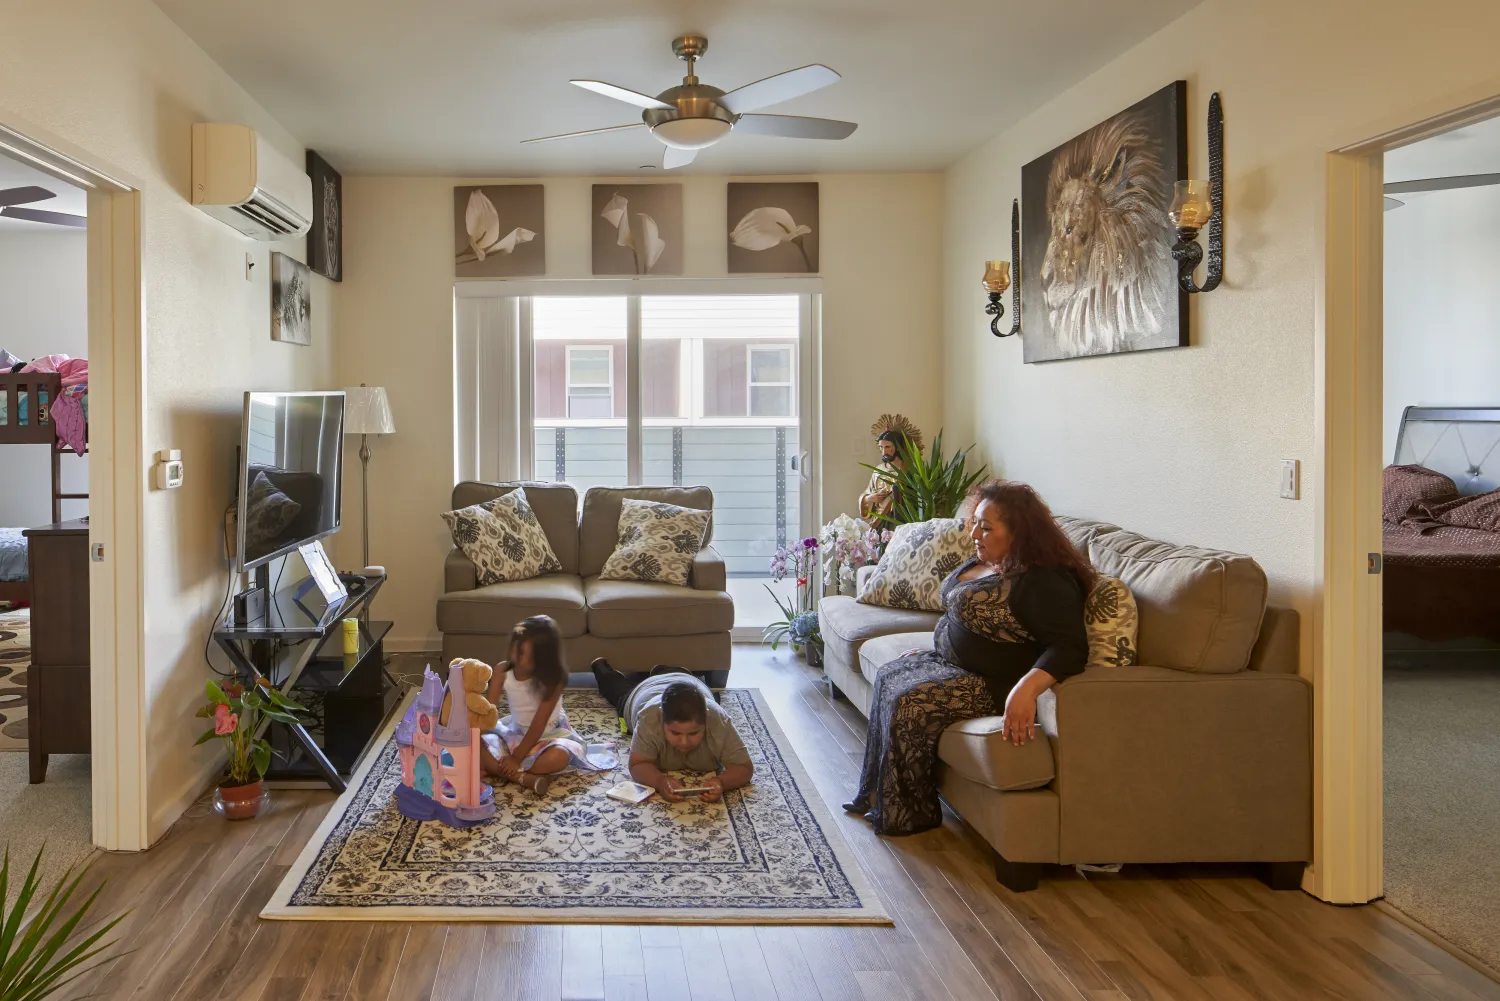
{"x":268,"y":512}
{"x":9,"y":361}
{"x":1407,"y":486}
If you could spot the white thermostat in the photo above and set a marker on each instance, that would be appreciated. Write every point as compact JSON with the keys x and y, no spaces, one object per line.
{"x":168,"y":469}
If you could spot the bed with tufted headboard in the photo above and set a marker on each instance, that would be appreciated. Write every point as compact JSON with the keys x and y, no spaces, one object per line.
{"x":1441,"y":514}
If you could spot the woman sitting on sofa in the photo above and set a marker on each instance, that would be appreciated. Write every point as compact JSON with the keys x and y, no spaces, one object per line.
{"x":1012,"y":628}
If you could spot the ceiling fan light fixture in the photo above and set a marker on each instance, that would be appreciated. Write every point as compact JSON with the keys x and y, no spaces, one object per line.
{"x":691,"y":133}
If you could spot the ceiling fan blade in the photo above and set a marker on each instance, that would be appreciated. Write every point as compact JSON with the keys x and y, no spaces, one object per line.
{"x":621,"y":93}
{"x":794,"y":127}
{"x":778,"y":88}
{"x":673,"y":157}
{"x":24,"y":196}
{"x":1392,"y":203}
{"x":585,"y":132}
{"x":1442,"y":183}
{"x":37,"y":215}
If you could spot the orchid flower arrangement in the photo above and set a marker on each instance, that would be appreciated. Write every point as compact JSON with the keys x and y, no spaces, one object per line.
{"x":644,"y":241}
{"x":849,"y":543}
{"x":799,"y":622}
{"x":482,"y":222}
{"x":237,"y":713}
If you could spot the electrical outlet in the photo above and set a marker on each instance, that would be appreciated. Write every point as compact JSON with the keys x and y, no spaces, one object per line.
{"x":1291,"y":479}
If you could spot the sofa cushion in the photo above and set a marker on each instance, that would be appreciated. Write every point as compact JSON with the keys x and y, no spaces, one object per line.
{"x":618,"y":608}
{"x":554,"y":504}
{"x":842,"y":619}
{"x":879,"y":651}
{"x":975,"y":749}
{"x":497,"y":608}
{"x":918,"y":557}
{"x":599,"y":529}
{"x":1200,"y":609}
{"x":1112,"y":622}
{"x":657,"y":542}
{"x":1081,"y":531}
{"x":503,"y":539}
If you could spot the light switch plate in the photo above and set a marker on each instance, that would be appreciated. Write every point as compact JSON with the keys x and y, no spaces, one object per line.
{"x":249,"y":265}
{"x":1291,"y":479}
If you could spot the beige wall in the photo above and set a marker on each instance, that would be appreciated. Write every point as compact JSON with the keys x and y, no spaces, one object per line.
{"x":119,"y":81}
{"x":1186,"y":444}
{"x":882,"y":340}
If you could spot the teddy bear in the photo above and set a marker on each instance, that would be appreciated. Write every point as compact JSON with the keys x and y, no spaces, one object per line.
{"x":483,"y":714}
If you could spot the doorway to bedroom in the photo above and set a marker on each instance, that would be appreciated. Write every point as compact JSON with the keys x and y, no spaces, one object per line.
{"x":1440,"y":434}
{"x":45,"y":770}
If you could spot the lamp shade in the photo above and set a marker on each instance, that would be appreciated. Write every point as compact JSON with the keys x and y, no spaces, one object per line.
{"x":367,"y":411}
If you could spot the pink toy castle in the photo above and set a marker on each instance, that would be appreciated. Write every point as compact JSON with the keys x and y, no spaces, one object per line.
{"x":440,"y":777}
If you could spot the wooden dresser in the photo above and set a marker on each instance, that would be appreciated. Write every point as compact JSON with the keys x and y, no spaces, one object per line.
{"x":57,"y":683}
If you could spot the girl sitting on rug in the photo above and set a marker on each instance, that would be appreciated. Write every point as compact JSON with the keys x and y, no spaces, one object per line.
{"x":535,"y":741}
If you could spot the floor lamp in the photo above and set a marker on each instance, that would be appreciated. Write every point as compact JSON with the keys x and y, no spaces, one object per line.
{"x":367,"y":411}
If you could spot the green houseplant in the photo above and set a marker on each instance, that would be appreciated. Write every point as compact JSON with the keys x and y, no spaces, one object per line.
{"x":237,"y":713}
{"x":38,"y":960}
{"x":931,"y":487}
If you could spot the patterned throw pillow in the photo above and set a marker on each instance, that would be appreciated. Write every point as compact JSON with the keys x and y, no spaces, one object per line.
{"x":503,"y":539}
{"x":657,"y":542}
{"x":268,"y":513}
{"x":1111,"y":619}
{"x":919,"y":556}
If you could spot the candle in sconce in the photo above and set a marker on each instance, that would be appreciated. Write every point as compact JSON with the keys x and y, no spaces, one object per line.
{"x":996,"y":276}
{"x":1191,"y":205}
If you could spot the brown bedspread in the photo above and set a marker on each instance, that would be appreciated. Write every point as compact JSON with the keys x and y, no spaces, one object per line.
{"x":1442,"y":584}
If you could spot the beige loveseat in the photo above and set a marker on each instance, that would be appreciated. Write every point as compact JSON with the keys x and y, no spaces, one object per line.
{"x":1202,"y":753}
{"x":635,"y":624}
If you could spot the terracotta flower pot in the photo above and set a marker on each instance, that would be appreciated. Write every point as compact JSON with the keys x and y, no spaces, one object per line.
{"x":241,"y":802}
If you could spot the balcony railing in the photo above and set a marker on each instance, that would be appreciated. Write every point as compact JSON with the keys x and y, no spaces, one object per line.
{"x":747,"y":468}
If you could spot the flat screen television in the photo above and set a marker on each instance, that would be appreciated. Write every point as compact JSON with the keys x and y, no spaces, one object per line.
{"x":290,"y":473}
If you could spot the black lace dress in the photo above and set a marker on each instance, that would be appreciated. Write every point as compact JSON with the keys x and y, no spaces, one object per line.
{"x":994,"y":629}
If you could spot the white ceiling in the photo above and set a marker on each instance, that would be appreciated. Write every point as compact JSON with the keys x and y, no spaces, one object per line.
{"x":1474,"y":149}
{"x":15,"y":174}
{"x":395,"y":87}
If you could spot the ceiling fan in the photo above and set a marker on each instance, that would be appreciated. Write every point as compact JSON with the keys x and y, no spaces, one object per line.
{"x":11,"y":200}
{"x":1435,"y":184}
{"x":694,"y":116}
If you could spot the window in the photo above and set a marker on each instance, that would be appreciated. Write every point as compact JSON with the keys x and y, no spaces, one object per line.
{"x":770,"y":370}
{"x":591,"y":391}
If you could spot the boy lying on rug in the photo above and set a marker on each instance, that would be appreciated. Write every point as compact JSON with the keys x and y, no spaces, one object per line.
{"x":676,"y":726}
{"x":535,"y":741}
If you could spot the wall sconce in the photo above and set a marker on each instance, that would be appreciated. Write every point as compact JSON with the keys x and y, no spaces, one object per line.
{"x":997,"y":280}
{"x":1198,"y":202}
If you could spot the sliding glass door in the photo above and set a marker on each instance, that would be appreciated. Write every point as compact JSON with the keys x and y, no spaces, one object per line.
{"x":680,"y":389}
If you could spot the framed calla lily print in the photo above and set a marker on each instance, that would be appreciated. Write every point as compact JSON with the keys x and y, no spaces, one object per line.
{"x":773,"y":228}
{"x":497,"y":231}
{"x":637,"y":229}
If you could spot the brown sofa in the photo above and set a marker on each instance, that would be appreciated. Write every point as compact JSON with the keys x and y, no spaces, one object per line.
{"x":636,"y":625}
{"x":1202,"y":753}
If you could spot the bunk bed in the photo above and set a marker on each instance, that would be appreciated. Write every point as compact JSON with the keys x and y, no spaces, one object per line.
{"x":27,"y":400}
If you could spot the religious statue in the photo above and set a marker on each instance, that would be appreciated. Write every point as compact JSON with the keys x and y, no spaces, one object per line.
{"x":896,"y":436}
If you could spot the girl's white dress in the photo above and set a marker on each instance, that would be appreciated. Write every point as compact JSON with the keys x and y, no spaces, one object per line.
{"x":524,"y":701}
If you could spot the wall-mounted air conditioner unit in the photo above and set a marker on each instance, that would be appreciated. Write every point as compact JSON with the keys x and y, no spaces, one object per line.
{"x":239,"y":179}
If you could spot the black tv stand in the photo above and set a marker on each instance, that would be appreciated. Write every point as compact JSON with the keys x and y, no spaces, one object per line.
{"x":297,"y":646}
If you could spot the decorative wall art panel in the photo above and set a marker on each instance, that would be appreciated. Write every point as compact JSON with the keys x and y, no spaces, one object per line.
{"x":637,"y":229}
{"x":497,"y":231}
{"x":773,"y":228}
{"x":291,"y":300}
{"x":1097,"y":271}
{"x":325,"y":240}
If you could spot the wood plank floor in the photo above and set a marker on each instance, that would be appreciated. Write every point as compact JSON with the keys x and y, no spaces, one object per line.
{"x":1215,"y":934}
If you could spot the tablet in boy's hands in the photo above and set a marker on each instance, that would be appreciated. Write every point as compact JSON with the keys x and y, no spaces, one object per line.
{"x":631,"y":792}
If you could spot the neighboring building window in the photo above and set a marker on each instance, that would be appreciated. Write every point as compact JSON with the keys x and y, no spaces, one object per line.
{"x":770,"y":370}
{"x":591,"y":390}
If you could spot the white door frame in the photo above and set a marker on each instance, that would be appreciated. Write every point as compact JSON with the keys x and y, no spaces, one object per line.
{"x":1347,"y":634}
{"x":117,"y":477}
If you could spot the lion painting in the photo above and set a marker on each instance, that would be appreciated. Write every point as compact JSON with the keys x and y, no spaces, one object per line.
{"x":1098,"y":276}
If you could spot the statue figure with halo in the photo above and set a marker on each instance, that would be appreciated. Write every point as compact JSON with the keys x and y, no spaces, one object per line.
{"x":897,"y":437}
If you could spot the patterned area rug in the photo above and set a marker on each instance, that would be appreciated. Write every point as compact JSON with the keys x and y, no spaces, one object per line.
{"x":768,"y":854}
{"x":15,"y":658}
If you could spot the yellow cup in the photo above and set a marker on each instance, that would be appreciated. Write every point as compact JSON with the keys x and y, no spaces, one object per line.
{"x":351,"y":636}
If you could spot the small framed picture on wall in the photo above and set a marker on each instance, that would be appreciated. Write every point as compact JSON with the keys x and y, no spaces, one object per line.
{"x":497,"y":231}
{"x":773,"y":228}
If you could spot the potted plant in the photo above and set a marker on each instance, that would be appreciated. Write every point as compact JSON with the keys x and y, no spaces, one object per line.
{"x":848,"y":543}
{"x":238,"y":713}
{"x":928,"y":488}
{"x":38,"y":958}
{"x":799,"y":622}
